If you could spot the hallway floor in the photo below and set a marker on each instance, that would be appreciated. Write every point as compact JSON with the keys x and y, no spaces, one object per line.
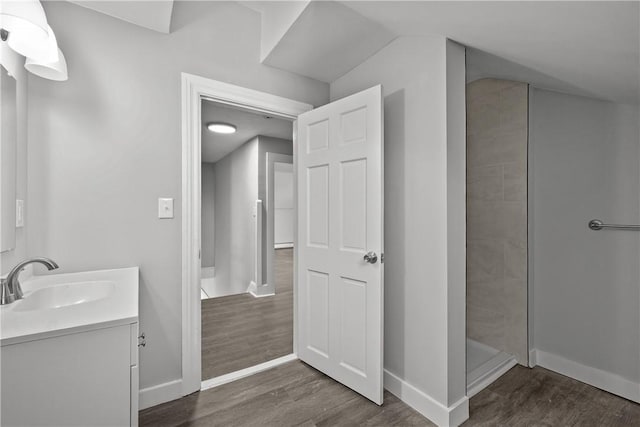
{"x":239,"y":331}
{"x":296,"y":394}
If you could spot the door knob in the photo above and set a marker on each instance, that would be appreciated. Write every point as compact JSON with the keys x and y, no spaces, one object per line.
{"x":371,"y":257}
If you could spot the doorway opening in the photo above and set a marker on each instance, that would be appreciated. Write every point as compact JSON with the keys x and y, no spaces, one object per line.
{"x":343,"y":166}
{"x":247,"y":211}
{"x":195,"y":90}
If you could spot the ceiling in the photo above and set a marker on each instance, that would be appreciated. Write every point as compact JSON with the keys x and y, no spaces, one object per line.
{"x":590,"y":47}
{"x":215,"y":146}
{"x":326,"y":41}
{"x":584,"y":47}
{"x":152,"y":14}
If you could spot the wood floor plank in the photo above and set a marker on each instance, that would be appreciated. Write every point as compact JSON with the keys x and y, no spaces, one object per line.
{"x":539,"y":397}
{"x":240,"y":331}
{"x":199,"y":405}
{"x":296,"y":394}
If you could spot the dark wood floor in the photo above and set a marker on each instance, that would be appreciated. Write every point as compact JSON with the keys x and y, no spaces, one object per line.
{"x":526,"y":397}
{"x":295,"y":394}
{"x":288,"y":395}
{"x":240,"y":331}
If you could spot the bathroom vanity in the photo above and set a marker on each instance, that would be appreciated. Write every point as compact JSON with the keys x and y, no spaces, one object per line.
{"x":70,"y":351}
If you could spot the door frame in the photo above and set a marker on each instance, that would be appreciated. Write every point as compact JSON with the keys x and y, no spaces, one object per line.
{"x":273,"y":158}
{"x":194,"y":90}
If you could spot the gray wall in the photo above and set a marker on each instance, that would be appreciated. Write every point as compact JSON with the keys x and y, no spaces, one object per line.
{"x":585,"y":284}
{"x":423,"y":89}
{"x":240,"y":179}
{"x":14,"y":64}
{"x":456,"y":380}
{"x":104,"y":145}
{"x":207,"y":215}
{"x":236,"y":192}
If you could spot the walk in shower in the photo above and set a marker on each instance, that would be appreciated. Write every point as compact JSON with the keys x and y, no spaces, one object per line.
{"x":497,"y":144}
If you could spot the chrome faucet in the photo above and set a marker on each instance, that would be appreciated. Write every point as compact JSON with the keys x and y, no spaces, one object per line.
{"x":11,"y":289}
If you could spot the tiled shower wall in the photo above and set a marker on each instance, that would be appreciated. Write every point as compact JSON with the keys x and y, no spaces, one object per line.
{"x":497,"y":138}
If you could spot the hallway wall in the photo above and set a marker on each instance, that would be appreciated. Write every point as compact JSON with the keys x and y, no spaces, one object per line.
{"x":207,"y":242}
{"x":236,"y":192}
{"x":239,"y":180}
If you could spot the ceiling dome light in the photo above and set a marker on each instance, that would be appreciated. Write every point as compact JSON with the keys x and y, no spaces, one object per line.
{"x":49,"y":70}
{"x":26,"y":31}
{"x":218,"y":127}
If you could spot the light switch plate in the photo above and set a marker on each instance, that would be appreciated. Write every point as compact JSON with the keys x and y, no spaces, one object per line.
{"x":19,"y":213}
{"x":165,"y":208}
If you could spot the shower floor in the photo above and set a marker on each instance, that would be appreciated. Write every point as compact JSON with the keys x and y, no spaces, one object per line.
{"x":485,"y":364}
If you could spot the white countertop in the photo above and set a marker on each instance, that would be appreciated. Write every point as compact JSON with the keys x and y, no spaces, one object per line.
{"x":117,"y":307}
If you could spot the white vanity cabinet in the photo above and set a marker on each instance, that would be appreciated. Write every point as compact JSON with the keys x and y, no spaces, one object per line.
{"x":81,"y":379}
{"x":74,"y":372}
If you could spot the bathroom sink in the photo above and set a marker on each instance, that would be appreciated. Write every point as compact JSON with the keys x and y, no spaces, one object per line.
{"x":68,"y":303}
{"x":65,"y":295}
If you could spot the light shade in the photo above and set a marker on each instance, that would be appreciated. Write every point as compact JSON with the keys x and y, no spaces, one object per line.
{"x":29,"y":33}
{"x":52,"y":70}
{"x":219,"y":127}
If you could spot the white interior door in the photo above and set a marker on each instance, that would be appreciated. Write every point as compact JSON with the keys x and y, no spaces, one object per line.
{"x":340,"y":208}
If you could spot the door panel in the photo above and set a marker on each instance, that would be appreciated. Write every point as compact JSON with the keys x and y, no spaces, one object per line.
{"x":340,"y":207}
{"x":318,"y":314}
{"x":353,"y":206}
{"x":318,"y":205}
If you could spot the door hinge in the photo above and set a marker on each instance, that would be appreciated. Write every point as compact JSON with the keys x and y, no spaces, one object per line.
{"x":382,"y":258}
{"x":142,"y":342}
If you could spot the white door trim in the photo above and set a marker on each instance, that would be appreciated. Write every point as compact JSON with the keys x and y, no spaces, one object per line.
{"x":243,"y":373}
{"x":194,"y":89}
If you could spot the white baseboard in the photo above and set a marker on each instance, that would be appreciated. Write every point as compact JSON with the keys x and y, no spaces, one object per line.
{"x":604,"y":380}
{"x":443,"y":416}
{"x":172,"y":390}
{"x":258,"y":291}
{"x":253,"y":294}
{"x":533,"y":358}
{"x":243,"y":373}
{"x":252,"y":288}
{"x":161,"y":393}
{"x":283,"y":245}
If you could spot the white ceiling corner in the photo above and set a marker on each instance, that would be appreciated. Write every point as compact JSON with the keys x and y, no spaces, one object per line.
{"x":255,"y":5}
{"x":151,"y":14}
{"x":326,"y":40}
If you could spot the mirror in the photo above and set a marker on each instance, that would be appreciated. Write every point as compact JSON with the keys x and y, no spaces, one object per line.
{"x":8,"y":160}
